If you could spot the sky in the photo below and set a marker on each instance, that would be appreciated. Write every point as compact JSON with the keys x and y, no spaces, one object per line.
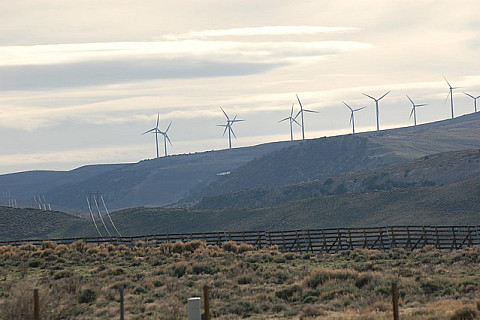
{"x":81,"y":80}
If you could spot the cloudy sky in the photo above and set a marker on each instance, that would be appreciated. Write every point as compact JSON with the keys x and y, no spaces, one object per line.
{"x":81,"y":80}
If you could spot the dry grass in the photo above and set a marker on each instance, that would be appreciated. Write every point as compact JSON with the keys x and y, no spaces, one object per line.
{"x":81,"y":281}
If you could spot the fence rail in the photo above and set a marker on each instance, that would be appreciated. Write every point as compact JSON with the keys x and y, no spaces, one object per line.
{"x":311,"y":240}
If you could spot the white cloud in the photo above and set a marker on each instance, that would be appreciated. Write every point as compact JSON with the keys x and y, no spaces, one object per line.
{"x":259,"y":31}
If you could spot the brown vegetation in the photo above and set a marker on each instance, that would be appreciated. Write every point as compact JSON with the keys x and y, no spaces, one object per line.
{"x":81,"y":281}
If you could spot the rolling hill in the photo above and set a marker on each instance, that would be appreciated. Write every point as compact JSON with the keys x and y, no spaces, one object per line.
{"x":435,"y":169}
{"x":453,"y":204}
{"x":150,"y":182}
{"x":328,"y":157}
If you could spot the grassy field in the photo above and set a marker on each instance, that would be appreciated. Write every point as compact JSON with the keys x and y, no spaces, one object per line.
{"x":81,"y":282}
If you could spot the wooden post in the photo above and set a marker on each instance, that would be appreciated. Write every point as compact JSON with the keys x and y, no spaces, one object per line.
{"x":122,"y":304}
{"x":36,"y":305}
{"x":206,"y":303}
{"x":395,"y":301}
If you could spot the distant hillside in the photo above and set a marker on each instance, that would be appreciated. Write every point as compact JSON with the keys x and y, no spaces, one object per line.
{"x":328,"y":157}
{"x":435,"y":169}
{"x":159,"y":181}
{"x":456,"y":203}
{"x":25,"y":185}
{"x":37,"y":224}
{"x":439,"y":205}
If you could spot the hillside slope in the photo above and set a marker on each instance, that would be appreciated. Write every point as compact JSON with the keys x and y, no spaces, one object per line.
{"x":453,"y":204}
{"x":328,"y":157}
{"x":435,"y":169}
{"x":36,"y":224}
{"x":159,"y":181}
{"x":439,"y":205}
{"x":25,"y":185}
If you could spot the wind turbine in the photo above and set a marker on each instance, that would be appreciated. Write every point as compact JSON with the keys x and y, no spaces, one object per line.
{"x":414,"y":110}
{"x":228,"y":126}
{"x":352,"y":118}
{"x":376,"y":105}
{"x":450,"y":93}
{"x":165,"y":137}
{"x":291,"y":120}
{"x":156,"y":131}
{"x":301,"y":112}
{"x":474,"y":100}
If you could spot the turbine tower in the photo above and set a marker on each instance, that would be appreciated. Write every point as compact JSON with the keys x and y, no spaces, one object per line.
{"x":474,"y":100}
{"x":156,"y":131}
{"x":414,"y":110}
{"x":376,"y":105}
{"x":450,"y":93}
{"x":301,"y":112}
{"x":228,"y":126}
{"x":291,"y":120}
{"x":352,"y":117}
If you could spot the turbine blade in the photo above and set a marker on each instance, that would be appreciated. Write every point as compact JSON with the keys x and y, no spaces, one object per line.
{"x":168,"y":126}
{"x":149,"y":130}
{"x":158,"y":119}
{"x":233,"y":132}
{"x":383,"y":95}
{"x":299,"y":102}
{"x":448,"y":96}
{"x":410,"y":99}
{"x":347,"y":105}
{"x":284,"y":119}
{"x":421,"y":105}
{"x":293,"y":119}
{"x":297,"y":114}
{"x":369,"y":96}
{"x":310,"y":111}
{"x":359,"y":109}
{"x":447,"y":82}
{"x":225,"y":113}
{"x":166,"y":136}
{"x":411,"y":112}
{"x":351,"y":117}
{"x":291,"y":113}
{"x":469,"y":95}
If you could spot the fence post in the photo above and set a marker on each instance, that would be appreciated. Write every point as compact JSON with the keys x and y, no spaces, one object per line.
{"x":122,"y":304}
{"x":36,"y":305}
{"x":395,"y":301}
{"x":206,"y":303}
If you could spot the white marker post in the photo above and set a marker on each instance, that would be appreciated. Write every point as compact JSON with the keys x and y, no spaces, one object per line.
{"x":194,"y":308}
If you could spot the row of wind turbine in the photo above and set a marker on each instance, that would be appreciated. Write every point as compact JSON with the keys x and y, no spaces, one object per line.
{"x":293,"y":119}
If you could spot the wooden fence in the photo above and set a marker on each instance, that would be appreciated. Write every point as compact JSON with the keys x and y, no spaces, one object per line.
{"x":312,"y":240}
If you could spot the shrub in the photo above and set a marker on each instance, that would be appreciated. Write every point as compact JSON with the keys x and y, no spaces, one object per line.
{"x":79,"y":246}
{"x":48,"y":245}
{"x":204,"y":268}
{"x":244,"y":247}
{"x":230,"y":246}
{"x":291,"y":293}
{"x":323,"y":275}
{"x":178,"y":247}
{"x":193,"y":245}
{"x":62,"y":274}
{"x":179,"y":269}
{"x":244,"y":280}
{"x":311,"y":311}
{"x":87,"y":296}
{"x":466,"y":313}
